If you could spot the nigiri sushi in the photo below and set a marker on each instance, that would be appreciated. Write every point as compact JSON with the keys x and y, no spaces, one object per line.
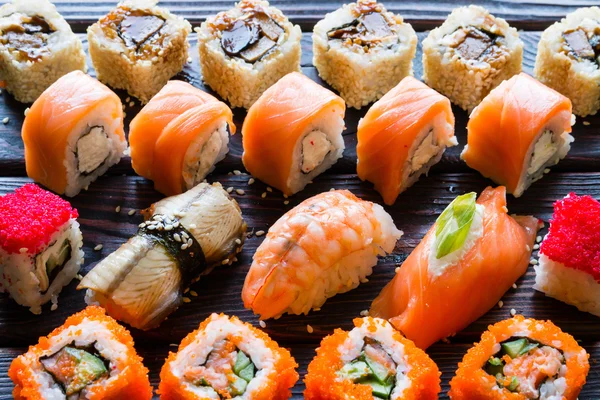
{"x":326,"y":245}
{"x":179,"y":136}
{"x":519,"y":130}
{"x":465,"y":263}
{"x":293,"y":133}
{"x":73,"y":133}
{"x":402,"y":136}
{"x":569,"y":263}
{"x":183,"y":238}
{"x":522,"y":358}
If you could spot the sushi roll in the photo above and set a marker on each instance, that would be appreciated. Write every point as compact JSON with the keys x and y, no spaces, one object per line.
{"x":40,"y":246}
{"x":363,"y":50}
{"x":474,"y":251}
{"x":37,"y":47}
{"x":138,"y":47}
{"x":403,"y":135}
{"x":470,"y":54}
{"x":182,"y":238}
{"x":517,"y":132}
{"x":226,"y":358}
{"x":73,"y":133}
{"x":179,"y":136}
{"x":372,"y":361}
{"x":245,"y":50}
{"x":522,"y":358}
{"x":568,"y":59}
{"x":569,"y":262}
{"x":293,"y":133}
{"x":326,"y":245}
{"x":90,"y":356}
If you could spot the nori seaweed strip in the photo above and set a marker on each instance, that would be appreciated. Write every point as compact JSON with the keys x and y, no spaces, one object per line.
{"x":191,"y":260}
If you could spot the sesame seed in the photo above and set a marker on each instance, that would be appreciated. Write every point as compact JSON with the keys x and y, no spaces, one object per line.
{"x":187,"y":300}
{"x":151,"y":227}
{"x":131,"y":104}
{"x":262,"y":324}
{"x":177,"y":237}
{"x":263,"y":195}
{"x":586,"y":123}
{"x":26,"y":111}
{"x":118,"y":209}
{"x":317,"y":309}
{"x":251,"y":181}
{"x":127,"y":99}
{"x":186,"y":290}
{"x":237,"y":172}
{"x":285,"y":196}
{"x":259,"y":233}
{"x":504,"y":209}
{"x":527,"y":247}
{"x":184,"y":246}
{"x":513,"y":312}
{"x":514,"y":286}
{"x":309,"y":329}
{"x":23,"y":250}
{"x":131,"y":212}
{"x":98,"y":247}
{"x":286,"y":202}
{"x":230,"y":189}
{"x":547,"y":170}
{"x":193,"y":293}
{"x":192,"y":226}
{"x":79,"y":276}
{"x":189,"y":242}
{"x":5,"y":120}
{"x":536,"y":246}
{"x":332,"y":189}
{"x":189,"y":60}
{"x":238,"y":241}
{"x":269,"y":189}
{"x":239,"y":191}
{"x":168,"y":227}
{"x":533,"y":261}
{"x":538,"y":239}
{"x":225,"y":261}
{"x":397,"y":270}
{"x":500,"y":304}
{"x":53,"y":307}
{"x":364,"y":313}
{"x":185,"y":236}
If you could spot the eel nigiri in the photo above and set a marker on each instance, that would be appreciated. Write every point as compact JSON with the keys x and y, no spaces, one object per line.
{"x":183,"y":238}
{"x":519,"y":130}
{"x":73,"y":133}
{"x":402,"y":136}
{"x":293,"y":133}
{"x":326,"y":245}
{"x":465,"y":263}
{"x":179,"y":136}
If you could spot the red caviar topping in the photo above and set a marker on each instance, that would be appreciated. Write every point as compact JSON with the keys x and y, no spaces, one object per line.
{"x":573,"y":238}
{"x":29,"y":217}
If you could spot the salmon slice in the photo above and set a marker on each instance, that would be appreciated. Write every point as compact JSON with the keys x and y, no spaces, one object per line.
{"x":504,"y":127}
{"x":428,"y":307}
{"x":395,"y":128}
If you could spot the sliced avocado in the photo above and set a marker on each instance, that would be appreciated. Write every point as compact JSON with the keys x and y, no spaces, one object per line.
{"x":528,"y":347}
{"x":355,"y":370}
{"x":202,"y":382}
{"x":237,"y":387}
{"x":247,"y":373}
{"x":514,"y":384}
{"x":494,"y":366}
{"x":88,"y":370}
{"x":380,"y":390}
{"x":495,"y":361}
{"x":241,"y":362}
{"x":514,"y":347}
{"x":380,"y":372}
{"x":500,"y":379}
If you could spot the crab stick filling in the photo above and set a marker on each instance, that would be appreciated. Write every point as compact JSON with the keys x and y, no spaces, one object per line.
{"x":92,"y":150}
{"x":315,"y":147}
{"x":26,"y":36}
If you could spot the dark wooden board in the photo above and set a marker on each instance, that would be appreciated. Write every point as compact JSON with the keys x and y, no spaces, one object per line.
{"x":414,"y":211}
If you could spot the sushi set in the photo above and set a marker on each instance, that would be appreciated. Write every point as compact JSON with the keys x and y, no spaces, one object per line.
{"x":224,"y":211}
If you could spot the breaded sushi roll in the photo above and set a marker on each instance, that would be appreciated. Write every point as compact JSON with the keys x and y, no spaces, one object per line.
{"x":470,"y":54}
{"x":226,"y":358}
{"x":138,"y":47}
{"x":521,"y":358}
{"x":403,"y":135}
{"x":179,"y":136}
{"x":182,"y":238}
{"x":90,"y":356}
{"x":245,"y":50}
{"x":40,"y":246}
{"x":469,"y":258}
{"x":517,"y":132}
{"x":73,"y":133}
{"x":568,"y":59}
{"x":569,"y":262}
{"x":326,"y":245}
{"x":37,"y":47}
{"x":372,"y":361}
{"x":293,"y":133}
{"x":363,"y":51}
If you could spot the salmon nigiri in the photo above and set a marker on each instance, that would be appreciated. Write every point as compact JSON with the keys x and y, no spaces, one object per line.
{"x":293,"y":133}
{"x":402,"y":136}
{"x":519,"y":130}
{"x":326,"y":245}
{"x":465,"y":263}
{"x":179,"y":136}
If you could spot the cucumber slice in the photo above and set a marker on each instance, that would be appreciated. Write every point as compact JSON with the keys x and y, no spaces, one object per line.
{"x":514,"y":347}
{"x":494,"y":366}
{"x":380,"y":372}
{"x":528,"y":348}
{"x":514,"y":384}
{"x":247,"y":373}
{"x":241,"y":362}
{"x":380,"y":390}
{"x":237,"y":387}
{"x":355,"y":370}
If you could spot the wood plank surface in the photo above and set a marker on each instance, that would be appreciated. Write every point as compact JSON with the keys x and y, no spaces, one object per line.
{"x":414,"y":211}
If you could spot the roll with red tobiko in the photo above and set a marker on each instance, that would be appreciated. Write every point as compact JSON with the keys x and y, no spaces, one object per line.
{"x":40,"y":246}
{"x":569,"y":264}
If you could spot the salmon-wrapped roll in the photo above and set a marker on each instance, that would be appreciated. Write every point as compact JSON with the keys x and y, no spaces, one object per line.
{"x":293,"y":133}
{"x":226,"y":358}
{"x":372,"y":361}
{"x":326,"y":245}
{"x":519,"y":130}
{"x":522,"y":358}
{"x":73,"y":133}
{"x":402,"y":136}
{"x":179,"y":136}
{"x":474,"y":251}
{"x":90,"y":356}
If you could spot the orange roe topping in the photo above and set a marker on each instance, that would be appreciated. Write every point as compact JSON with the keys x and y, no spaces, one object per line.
{"x":573,"y":238}
{"x":30,"y":216}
